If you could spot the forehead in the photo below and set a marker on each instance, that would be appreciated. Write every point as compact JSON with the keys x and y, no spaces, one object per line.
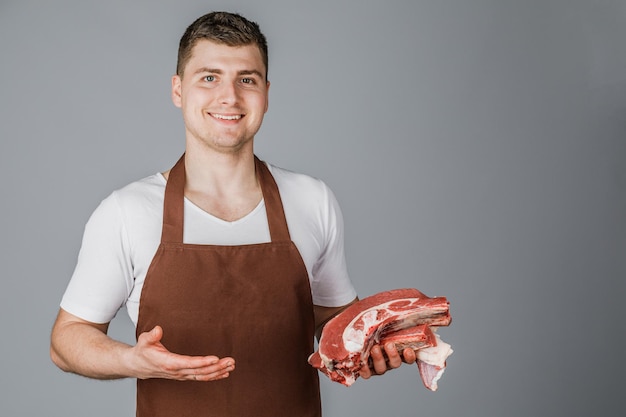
{"x":211,"y":54}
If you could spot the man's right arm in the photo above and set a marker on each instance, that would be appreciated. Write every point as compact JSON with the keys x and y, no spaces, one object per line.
{"x":84,"y":348}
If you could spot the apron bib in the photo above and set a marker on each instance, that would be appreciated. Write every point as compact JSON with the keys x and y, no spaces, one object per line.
{"x":250,"y":302}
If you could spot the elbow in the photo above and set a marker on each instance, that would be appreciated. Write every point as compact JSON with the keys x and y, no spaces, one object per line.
{"x":57,"y":359}
{"x":56,"y":353}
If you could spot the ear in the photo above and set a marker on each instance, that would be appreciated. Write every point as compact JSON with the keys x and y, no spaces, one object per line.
{"x":267,"y":96}
{"x":177,"y":95}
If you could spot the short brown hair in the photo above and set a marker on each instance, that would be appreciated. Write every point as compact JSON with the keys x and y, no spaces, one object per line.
{"x":222,"y":27}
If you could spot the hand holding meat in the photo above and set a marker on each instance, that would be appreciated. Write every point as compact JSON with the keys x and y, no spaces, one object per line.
{"x":404,"y":318}
{"x":385,"y":357}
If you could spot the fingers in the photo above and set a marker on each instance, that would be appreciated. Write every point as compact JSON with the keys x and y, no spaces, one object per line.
{"x":409,"y":356}
{"x":395,"y":360}
{"x":198,"y":368}
{"x":195,"y":368}
{"x":377,"y":363}
{"x":219,"y":370}
{"x":386,"y":358}
{"x":365,"y":372}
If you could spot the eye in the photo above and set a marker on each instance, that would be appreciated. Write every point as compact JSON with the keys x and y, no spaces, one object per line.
{"x":209,"y":78}
{"x":247,"y":80}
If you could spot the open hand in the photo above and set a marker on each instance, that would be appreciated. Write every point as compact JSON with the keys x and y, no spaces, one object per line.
{"x":151,"y":359}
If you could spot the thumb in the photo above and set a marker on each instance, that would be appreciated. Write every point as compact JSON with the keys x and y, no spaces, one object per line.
{"x":154,"y":335}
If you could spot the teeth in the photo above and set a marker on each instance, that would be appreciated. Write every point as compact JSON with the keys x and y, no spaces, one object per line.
{"x":224,"y":117}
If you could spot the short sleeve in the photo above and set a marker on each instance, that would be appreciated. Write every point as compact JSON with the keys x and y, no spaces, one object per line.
{"x":331,"y":285}
{"x":102,"y":279}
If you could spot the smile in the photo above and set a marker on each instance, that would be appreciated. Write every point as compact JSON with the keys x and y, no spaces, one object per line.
{"x":226,"y":116}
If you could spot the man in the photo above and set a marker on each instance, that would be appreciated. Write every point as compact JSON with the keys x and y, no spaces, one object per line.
{"x":227,"y":265}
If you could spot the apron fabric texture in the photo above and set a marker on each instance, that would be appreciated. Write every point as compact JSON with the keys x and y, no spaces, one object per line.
{"x":250,"y":302}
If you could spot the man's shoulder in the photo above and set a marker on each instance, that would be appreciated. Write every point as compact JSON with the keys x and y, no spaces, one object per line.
{"x":302,"y":192}
{"x":153,"y":184}
{"x":144,"y":194}
{"x":286,"y":178}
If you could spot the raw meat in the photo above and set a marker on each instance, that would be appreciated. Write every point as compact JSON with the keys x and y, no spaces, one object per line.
{"x":403,"y":316}
{"x":417,"y":337}
{"x":431,"y":362}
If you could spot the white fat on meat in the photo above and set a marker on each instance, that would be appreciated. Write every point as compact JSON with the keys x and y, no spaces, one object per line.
{"x":435,"y":355}
{"x":354,"y":339}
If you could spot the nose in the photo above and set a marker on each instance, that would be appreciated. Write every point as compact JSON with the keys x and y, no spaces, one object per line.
{"x":228,"y":93}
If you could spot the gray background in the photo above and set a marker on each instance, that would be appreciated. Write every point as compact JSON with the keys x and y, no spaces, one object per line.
{"x":477,"y":148}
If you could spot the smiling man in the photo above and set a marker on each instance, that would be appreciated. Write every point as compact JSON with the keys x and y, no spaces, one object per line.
{"x":227,"y":265}
{"x":223,"y":103}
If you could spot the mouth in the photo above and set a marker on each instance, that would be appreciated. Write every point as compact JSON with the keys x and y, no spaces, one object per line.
{"x":220,"y":116}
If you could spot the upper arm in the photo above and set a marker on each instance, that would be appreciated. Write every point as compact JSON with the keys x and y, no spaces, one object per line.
{"x":65,"y":318}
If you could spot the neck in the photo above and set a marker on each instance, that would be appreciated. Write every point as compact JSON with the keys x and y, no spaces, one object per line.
{"x":223,"y":184}
{"x":219,"y":172}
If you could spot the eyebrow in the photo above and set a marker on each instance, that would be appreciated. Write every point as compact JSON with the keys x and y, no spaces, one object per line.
{"x":219,"y":71}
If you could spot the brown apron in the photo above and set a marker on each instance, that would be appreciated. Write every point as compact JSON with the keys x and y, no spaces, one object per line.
{"x":250,"y":302}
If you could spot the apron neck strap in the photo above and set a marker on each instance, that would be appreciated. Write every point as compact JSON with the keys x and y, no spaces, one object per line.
{"x":173,"y":205}
{"x":279,"y":231}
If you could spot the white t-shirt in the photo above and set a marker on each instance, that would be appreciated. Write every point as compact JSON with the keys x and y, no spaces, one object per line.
{"x":124,"y":232}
